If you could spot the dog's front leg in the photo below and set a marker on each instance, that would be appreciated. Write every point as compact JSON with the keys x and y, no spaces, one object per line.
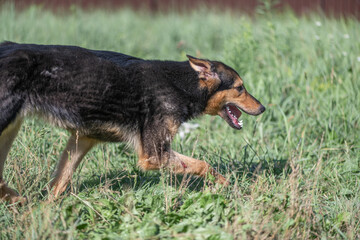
{"x":155,"y":153}
{"x":181,"y":164}
{"x":71,"y":157}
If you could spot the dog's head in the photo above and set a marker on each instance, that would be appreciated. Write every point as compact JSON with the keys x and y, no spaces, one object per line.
{"x":228,"y":95}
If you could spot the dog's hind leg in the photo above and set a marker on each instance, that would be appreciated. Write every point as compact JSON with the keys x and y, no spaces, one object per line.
{"x":6,"y":139}
{"x":76,"y":149}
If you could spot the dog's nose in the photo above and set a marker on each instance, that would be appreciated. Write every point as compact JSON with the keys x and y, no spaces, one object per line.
{"x":262,"y":109}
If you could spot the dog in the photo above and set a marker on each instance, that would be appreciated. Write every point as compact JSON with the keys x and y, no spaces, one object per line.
{"x":102,"y":96}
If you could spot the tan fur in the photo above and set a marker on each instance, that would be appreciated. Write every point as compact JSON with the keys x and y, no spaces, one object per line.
{"x":6,"y":139}
{"x":71,"y":157}
{"x":244,"y":100}
{"x":150,"y":163}
{"x":172,"y":126}
{"x":238,"y":82}
{"x":211,"y":83}
{"x":181,"y":164}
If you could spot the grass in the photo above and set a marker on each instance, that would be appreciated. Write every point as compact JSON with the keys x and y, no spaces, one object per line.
{"x":294,"y":170}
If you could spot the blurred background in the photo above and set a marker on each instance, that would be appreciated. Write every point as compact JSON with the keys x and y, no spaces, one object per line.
{"x":330,"y":7}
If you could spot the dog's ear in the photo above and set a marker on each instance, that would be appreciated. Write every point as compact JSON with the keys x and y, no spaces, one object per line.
{"x":203,"y":67}
{"x":207,"y":76}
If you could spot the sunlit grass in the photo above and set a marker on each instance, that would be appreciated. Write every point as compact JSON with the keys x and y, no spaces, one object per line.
{"x":294,"y":170}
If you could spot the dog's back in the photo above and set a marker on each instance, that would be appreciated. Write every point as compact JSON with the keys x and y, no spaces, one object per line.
{"x":119,"y":58}
{"x":48,"y":81}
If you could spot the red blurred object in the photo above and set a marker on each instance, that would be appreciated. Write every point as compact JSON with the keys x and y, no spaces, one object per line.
{"x":330,"y":7}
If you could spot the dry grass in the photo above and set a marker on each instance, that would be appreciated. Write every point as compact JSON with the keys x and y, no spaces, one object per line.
{"x":294,"y":170}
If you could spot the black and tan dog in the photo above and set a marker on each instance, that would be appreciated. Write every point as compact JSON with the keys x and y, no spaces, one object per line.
{"x":102,"y":96}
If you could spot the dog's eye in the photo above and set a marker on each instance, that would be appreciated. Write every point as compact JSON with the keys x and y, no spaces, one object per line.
{"x":240,"y":88}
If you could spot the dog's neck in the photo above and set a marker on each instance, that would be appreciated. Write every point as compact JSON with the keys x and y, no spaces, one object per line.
{"x":184,"y":78}
{"x":180,"y":81}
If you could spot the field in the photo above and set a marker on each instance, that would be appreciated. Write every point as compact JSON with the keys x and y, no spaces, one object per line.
{"x":294,"y":170}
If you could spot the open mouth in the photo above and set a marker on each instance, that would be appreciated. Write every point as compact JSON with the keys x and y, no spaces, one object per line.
{"x":231,"y":114}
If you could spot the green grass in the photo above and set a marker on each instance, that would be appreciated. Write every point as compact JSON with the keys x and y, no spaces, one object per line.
{"x":294,"y":170}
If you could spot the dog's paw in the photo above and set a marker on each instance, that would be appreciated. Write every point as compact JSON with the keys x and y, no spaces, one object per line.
{"x":222,"y":180}
{"x":216,"y":177}
{"x":18,"y":200}
{"x":9,"y":195}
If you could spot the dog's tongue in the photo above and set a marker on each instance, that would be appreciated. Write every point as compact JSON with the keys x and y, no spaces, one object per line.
{"x":234,"y":113}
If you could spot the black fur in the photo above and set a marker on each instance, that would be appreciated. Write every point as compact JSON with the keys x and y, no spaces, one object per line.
{"x":108,"y":96}
{"x":85,"y":90}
